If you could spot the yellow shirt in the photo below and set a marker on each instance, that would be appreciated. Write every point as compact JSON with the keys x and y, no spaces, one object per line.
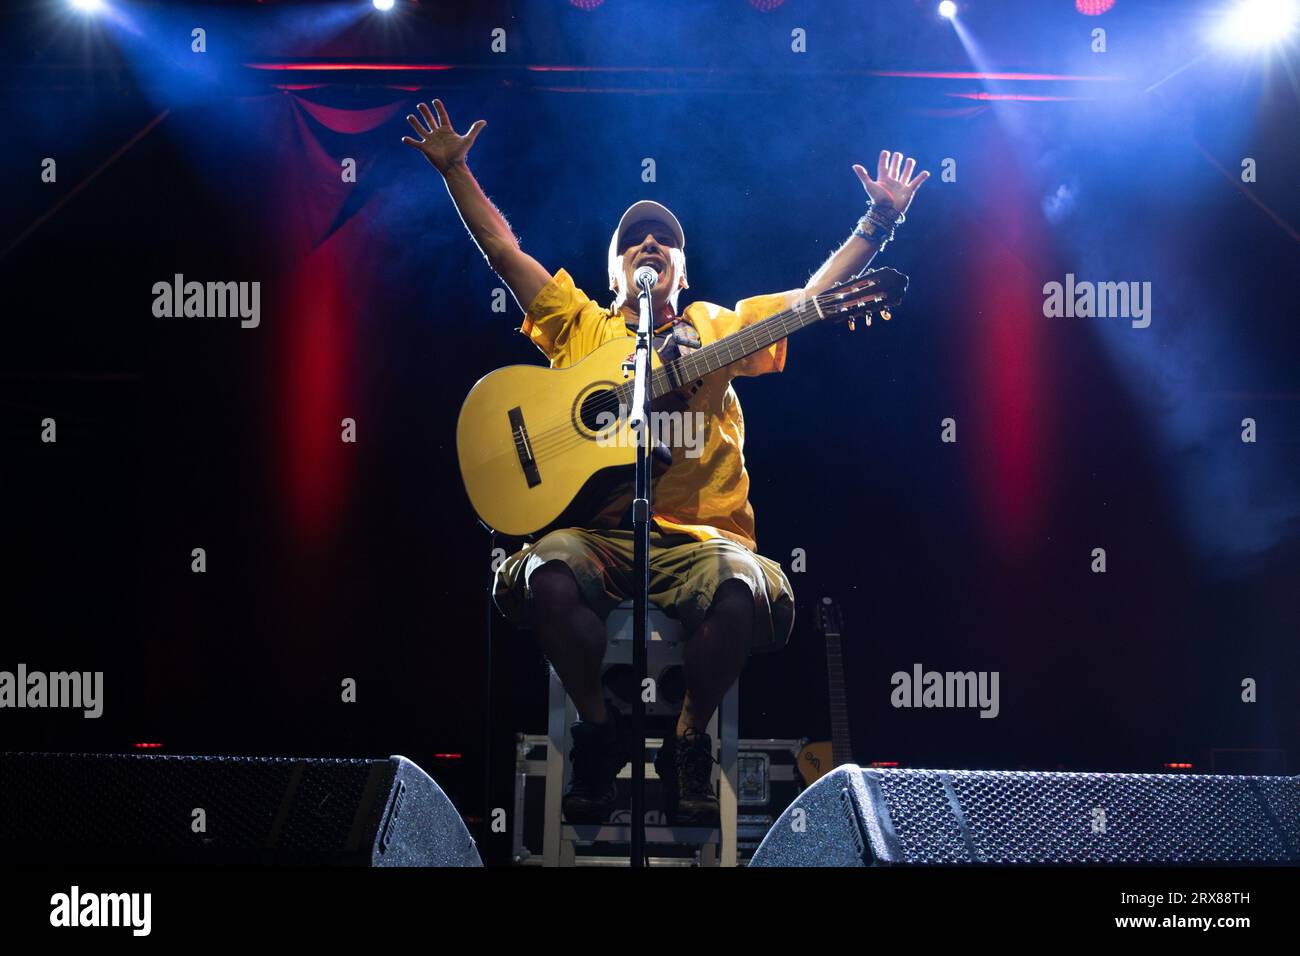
{"x":706,"y":496}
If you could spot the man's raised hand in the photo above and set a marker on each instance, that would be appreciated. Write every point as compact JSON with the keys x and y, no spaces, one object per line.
{"x":894,"y":184}
{"x":441,"y":145}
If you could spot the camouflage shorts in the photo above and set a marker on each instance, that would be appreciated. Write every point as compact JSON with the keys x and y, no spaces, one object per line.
{"x":684,"y":574}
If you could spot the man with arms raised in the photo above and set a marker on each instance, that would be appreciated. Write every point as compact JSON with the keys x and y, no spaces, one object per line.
{"x":704,"y":567}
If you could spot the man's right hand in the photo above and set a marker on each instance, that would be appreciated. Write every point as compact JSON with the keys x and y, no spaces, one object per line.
{"x":445,"y":149}
{"x":441,"y":145}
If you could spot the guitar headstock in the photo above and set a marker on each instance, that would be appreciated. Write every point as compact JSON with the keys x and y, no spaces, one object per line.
{"x":830,"y":623}
{"x":875,"y":293}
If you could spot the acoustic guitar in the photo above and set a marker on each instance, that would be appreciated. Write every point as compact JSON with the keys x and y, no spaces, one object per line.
{"x":543,"y":448}
{"x":821,"y":757}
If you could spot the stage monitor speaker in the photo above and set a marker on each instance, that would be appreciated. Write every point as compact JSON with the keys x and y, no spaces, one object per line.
{"x":163,"y":809}
{"x":857,"y":817}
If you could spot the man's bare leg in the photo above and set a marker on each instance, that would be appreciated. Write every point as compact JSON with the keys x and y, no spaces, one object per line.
{"x":715,"y":654}
{"x":571,"y":636}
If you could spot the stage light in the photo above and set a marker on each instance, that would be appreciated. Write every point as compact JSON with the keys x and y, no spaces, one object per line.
{"x":947,"y":9}
{"x":383,"y":4}
{"x":88,"y":6}
{"x":1248,"y":24}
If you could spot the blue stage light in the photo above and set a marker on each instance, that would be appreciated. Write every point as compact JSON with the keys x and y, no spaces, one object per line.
{"x":948,"y":9}
{"x":383,"y":4}
{"x":88,"y":6}
{"x":1248,"y":24}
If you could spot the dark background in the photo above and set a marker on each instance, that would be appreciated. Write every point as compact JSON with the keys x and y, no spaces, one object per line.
{"x":330,"y":560}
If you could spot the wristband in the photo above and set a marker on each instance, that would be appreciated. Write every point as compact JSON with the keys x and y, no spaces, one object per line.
{"x":881,"y":219}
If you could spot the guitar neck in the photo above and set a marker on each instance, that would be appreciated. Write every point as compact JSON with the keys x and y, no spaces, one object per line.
{"x":841,"y":743}
{"x":733,"y":348}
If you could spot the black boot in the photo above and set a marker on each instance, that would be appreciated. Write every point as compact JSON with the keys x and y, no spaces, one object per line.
{"x":685,"y":768}
{"x":599,"y":753}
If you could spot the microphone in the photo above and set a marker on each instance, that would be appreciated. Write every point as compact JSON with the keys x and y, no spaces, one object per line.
{"x":645,"y":278}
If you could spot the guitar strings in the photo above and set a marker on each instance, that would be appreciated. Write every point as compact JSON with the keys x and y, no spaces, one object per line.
{"x":543,"y":436}
{"x":557,"y":435}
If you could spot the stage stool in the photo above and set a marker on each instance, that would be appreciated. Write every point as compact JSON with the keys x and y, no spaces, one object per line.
{"x":664,"y":650}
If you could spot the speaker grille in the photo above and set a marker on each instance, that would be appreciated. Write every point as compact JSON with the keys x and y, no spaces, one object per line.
{"x":922,"y":817}
{"x":1021,"y":817}
{"x":128,"y":800}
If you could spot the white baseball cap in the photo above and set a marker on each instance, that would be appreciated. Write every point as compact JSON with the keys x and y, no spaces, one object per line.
{"x":639,"y":212}
{"x":648,"y":209}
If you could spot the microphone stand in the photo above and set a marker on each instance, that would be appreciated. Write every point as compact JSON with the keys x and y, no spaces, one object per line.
{"x":639,"y":425}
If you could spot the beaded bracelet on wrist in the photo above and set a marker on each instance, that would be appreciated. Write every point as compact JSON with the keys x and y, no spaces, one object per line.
{"x":881,"y":220}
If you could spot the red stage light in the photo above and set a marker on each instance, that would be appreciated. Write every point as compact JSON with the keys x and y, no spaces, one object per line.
{"x":971,"y":75}
{"x":326,"y":67}
{"x":1093,"y":8}
{"x":1023,"y":97}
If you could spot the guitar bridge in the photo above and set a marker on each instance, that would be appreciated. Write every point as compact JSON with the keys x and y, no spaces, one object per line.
{"x":523,"y":447}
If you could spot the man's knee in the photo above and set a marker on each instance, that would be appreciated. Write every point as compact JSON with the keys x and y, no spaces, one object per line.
{"x":557,"y":619}
{"x":733,"y":597}
{"x":738,"y":575}
{"x":554,"y":589}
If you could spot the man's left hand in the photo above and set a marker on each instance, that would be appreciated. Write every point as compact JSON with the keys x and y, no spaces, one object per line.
{"x":894,"y":184}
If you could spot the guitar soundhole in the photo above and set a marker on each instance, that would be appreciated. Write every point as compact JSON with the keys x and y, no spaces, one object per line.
{"x":598,"y":409}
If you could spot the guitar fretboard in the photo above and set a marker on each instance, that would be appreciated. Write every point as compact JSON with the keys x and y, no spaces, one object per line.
{"x":841,"y":744}
{"x":686,"y":369}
